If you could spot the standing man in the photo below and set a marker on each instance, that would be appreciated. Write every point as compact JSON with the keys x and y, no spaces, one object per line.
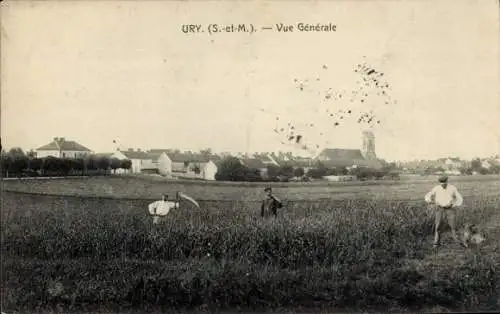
{"x":160,"y":209}
{"x":446,"y":198}
{"x":270,"y":204}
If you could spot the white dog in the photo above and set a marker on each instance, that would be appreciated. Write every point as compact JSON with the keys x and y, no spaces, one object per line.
{"x":472,"y":234}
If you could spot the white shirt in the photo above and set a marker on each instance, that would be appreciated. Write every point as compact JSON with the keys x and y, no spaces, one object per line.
{"x":162,"y":208}
{"x":444,"y":197}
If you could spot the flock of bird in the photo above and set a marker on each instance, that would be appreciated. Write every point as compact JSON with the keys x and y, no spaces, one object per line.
{"x":371,"y":90}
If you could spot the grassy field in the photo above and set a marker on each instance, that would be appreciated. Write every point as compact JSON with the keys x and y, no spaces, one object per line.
{"x":152,"y":188}
{"x":343,"y":247}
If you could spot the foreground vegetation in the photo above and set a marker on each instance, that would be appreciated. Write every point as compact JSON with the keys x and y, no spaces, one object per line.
{"x":93,"y":254}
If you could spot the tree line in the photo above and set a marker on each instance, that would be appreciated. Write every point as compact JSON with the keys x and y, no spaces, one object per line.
{"x":16,"y":163}
{"x":230,"y":169}
{"x":475,"y":166}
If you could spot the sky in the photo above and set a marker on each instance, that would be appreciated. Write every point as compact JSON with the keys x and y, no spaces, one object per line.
{"x":95,"y":72}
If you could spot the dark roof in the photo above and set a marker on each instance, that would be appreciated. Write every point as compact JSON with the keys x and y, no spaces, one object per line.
{"x":159,"y":150}
{"x":154,"y":155}
{"x":341,"y":163}
{"x":338,"y":157}
{"x":443,"y":160}
{"x":339,"y":153}
{"x":104,"y":154}
{"x":214,"y":158}
{"x":298,"y":162}
{"x":64,"y":145}
{"x":494,"y":161}
{"x":253,"y":163}
{"x":184,"y":157}
{"x":264,"y":158}
{"x":179,"y":157}
{"x":135,"y":154}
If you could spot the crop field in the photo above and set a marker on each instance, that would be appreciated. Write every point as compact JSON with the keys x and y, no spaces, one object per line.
{"x":152,"y":188}
{"x":342,"y":247}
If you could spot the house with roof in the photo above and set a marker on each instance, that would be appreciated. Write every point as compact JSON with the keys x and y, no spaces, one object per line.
{"x":485,"y":163}
{"x":423,"y":166}
{"x":299,"y":162}
{"x":338,"y":157}
{"x":190,"y":165}
{"x":62,"y":148}
{"x":350,"y":158}
{"x":205,"y":170}
{"x":495,"y":160}
{"x":161,"y":162}
{"x":450,"y":164}
{"x":141,"y":161}
{"x":255,"y":163}
{"x":267,"y":159}
{"x":200,"y":166}
{"x":106,"y":155}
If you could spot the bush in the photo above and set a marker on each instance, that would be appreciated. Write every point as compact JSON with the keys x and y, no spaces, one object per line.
{"x":299,"y":172}
{"x":495,"y":169}
{"x":466,"y":171}
{"x":317,"y":173}
{"x":231,"y":169}
{"x":363,"y":173}
{"x":272,"y":172}
{"x":115,"y":164}
{"x":126,"y":164}
{"x":483,"y":170}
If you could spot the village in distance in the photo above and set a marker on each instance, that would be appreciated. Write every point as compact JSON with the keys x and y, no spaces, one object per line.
{"x":66,"y":157}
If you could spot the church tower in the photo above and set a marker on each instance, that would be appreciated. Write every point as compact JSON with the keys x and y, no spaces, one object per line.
{"x":368,"y":150}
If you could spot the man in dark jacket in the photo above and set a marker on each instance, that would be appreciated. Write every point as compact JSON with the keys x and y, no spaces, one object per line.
{"x":270,"y":204}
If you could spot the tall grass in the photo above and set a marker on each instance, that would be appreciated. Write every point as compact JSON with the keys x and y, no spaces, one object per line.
{"x":94,"y":253}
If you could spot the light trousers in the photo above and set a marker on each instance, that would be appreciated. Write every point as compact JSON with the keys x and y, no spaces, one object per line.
{"x":441,"y":213}
{"x":158,"y":219}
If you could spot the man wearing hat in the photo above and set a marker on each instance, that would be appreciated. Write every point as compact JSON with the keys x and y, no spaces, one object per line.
{"x":270,"y":204}
{"x":446,"y":198}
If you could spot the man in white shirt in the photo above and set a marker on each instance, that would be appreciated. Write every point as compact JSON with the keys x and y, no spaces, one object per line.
{"x":446,"y":198}
{"x":160,"y":209}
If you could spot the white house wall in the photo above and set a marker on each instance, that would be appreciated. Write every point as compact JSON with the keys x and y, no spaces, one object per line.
{"x":136,"y":165}
{"x":209,"y":170}
{"x":47,"y":153}
{"x":73,"y":154}
{"x":147,"y":164}
{"x":63,"y":154}
{"x":164,"y":165}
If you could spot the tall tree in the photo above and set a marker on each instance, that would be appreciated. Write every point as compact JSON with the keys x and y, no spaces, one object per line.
{"x":103,"y":163}
{"x":16,"y":151}
{"x":206,"y":152}
{"x":299,"y":172}
{"x":31,"y":153}
{"x":230,"y":169}
{"x":475,"y":164}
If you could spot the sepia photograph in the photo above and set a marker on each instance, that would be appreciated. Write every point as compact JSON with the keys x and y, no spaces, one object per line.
{"x":259,"y":156}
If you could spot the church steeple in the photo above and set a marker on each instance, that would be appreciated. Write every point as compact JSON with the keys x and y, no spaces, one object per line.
{"x":368,"y":150}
